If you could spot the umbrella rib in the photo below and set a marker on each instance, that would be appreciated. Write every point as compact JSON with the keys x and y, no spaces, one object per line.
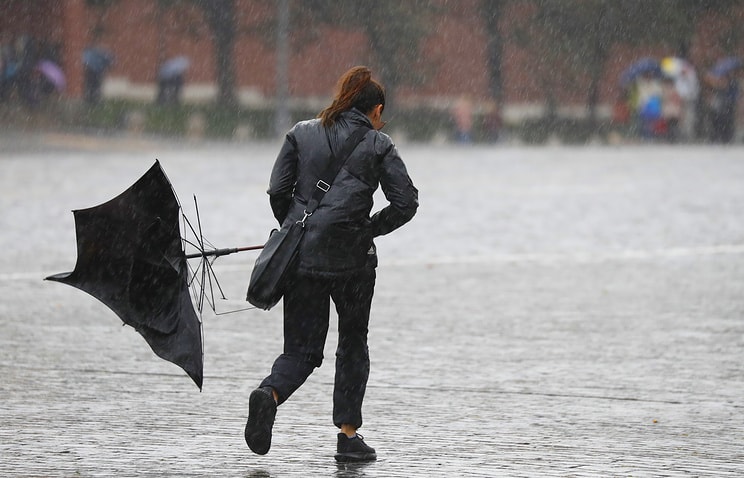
{"x":204,"y":296}
{"x":205,"y":269}
{"x":191,"y":243}
{"x":210,"y":273}
{"x":200,"y":237}
{"x":235,"y":311}
{"x":216,"y":282}
{"x":192,"y":278}
{"x":204,"y":259}
{"x":199,"y":246}
{"x":194,"y":272}
{"x":204,"y":264}
{"x":208,"y":243}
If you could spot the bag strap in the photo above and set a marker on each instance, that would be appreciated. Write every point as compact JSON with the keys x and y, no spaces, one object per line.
{"x":332,"y":169}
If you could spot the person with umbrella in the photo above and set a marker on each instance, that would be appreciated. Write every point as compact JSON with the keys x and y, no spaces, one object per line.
{"x":337,"y":257}
{"x":25,"y":76}
{"x":642,"y":88}
{"x":96,"y":61}
{"x":724,"y":83}
{"x":170,"y":80}
{"x":52,"y":77}
{"x":649,"y":105}
{"x":687,"y":86}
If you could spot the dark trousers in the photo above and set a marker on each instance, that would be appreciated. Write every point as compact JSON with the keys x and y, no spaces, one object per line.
{"x":723,"y":128}
{"x":306,"y":316}
{"x":169,"y":91}
{"x":92,"y":86}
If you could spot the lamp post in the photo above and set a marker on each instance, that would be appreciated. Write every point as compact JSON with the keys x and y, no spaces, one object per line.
{"x":282,"y":118}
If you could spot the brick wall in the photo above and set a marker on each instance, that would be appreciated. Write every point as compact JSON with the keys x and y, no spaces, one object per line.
{"x":142,"y":36}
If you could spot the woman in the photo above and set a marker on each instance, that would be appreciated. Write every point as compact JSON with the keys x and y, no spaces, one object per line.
{"x":337,"y":257}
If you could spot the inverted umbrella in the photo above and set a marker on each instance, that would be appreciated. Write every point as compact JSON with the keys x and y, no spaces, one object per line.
{"x":131,"y":257}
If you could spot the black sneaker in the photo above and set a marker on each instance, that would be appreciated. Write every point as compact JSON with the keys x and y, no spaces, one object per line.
{"x":261,"y":414}
{"x":354,"y":449}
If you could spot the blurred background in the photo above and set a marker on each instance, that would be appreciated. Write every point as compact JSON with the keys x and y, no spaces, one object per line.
{"x":467,"y":71}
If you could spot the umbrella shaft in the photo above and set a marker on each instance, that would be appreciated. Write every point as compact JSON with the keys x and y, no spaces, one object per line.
{"x":222,"y":252}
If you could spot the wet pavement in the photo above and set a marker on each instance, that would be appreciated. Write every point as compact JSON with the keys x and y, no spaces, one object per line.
{"x":550,"y":312}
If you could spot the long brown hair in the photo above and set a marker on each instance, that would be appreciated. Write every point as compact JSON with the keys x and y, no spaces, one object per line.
{"x":355,"y":89}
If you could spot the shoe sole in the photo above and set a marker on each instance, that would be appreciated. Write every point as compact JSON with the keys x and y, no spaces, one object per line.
{"x":355,"y":457}
{"x":261,"y":413}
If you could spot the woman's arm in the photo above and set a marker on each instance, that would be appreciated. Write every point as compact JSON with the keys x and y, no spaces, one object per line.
{"x":283,"y":179}
{"x":399,"y":191}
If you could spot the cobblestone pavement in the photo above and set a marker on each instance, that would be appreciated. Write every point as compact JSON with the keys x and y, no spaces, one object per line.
{"x":549,"y":312}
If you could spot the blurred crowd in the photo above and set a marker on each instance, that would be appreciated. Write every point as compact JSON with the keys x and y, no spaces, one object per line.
{"x":669,"y":100}
{"x":29,"y":70}
{"x":661,"y":100}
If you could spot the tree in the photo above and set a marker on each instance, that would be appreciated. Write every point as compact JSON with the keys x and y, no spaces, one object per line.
{"x":493,"y":11}
{"x":220,"y":16}
{"x":100,"y":7}
{"x":395,"y":31}
{"x":583,"y":31}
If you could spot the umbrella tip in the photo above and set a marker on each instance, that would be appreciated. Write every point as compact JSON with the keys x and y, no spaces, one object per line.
{"x":58,"y":277}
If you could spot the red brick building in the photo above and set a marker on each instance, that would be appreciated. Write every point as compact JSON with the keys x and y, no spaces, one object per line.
{"x":142,"y":35}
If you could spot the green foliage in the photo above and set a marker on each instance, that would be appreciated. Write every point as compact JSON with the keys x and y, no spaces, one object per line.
{"x":421,"y":124}
{"x":566,"y":130}
{"x":395,"y":31}
{"x":167,"y":120}
{"x":106,"y":115}
{"x":222,"y":123}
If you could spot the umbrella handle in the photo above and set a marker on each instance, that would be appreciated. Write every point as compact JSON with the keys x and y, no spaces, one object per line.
{"x":222,"y":252}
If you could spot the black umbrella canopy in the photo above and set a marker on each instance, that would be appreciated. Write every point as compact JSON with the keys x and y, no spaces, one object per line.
{"x":131,"y":258}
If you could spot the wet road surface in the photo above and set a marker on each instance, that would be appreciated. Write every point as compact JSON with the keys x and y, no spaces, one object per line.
{"x":549,"y":312}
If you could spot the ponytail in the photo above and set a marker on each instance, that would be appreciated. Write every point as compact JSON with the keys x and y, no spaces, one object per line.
{"x":355,"y":89}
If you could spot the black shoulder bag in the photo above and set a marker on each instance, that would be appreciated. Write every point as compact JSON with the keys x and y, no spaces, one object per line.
{"x":268,"y":278}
